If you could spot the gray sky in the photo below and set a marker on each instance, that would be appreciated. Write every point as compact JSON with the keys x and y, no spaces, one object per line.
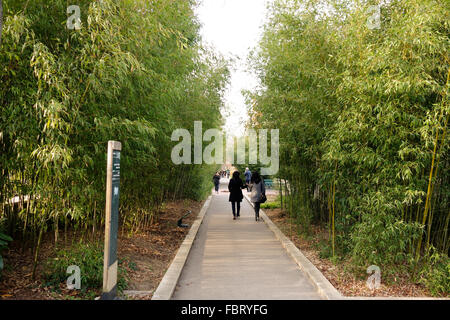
{"x":233,"y":27}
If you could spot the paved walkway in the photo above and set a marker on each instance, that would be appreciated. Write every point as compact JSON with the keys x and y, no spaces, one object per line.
{"x":239,"y":259}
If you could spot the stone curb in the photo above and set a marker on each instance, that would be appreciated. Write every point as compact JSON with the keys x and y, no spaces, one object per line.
{"x":136,"y":293}
{"x":324,"y":287}
{"x":168,"y":283}
{"x":393,"y":298}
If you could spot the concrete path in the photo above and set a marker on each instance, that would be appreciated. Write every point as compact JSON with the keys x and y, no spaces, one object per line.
{"x":239,"y":259}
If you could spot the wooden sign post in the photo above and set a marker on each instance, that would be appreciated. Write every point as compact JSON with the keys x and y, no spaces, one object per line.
{"x":111,"y":221}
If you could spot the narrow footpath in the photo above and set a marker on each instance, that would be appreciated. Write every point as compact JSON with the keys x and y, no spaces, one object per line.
{"x":239,"y":259}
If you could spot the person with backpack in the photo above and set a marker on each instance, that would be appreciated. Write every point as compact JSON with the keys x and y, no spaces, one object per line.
{"x":258,"y":194}
{"x":235,"y":187}
{"x":216,"y":180}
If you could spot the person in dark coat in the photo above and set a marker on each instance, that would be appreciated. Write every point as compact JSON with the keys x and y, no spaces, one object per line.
{"x":235,"y":187}
{"x":216,"y":180}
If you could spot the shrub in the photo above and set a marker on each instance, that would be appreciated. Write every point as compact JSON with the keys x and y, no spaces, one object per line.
{"x":435,"y":274}
{"x":4,"y":239}
{"x":271,"y":205}
{"x":325,"y":250}
{"x":89,"y":257}
{"x":381,"y":240}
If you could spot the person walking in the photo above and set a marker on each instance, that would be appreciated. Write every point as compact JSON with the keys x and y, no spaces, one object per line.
{"x":248,"y":177}
{"x":258,"y":191}
{"x":216,"y":180}
{"x":235,"y":187}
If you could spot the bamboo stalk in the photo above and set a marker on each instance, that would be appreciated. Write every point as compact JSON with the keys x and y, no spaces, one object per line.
{"x":56,"y":230}
{"x":281,"y":194}
{"x":330,"y":215}
{"x":444,"y":236}
{"x":432,"y":171}
{"x":36,"y":254}
{"x":333,"y":236}
{"x":94,"y":219}
{"x":332,"y":220}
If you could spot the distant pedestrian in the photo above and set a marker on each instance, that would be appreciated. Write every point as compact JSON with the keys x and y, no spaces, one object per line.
{"x":235,"y":187}
{"x":258,"y":192}
{"x":228,"y":173}
{"x":248,"y":177}
{"x":216,"y":180}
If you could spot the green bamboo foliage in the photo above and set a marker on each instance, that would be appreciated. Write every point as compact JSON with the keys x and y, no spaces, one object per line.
{"x":363,"y":117}
{"x":134,"y":72}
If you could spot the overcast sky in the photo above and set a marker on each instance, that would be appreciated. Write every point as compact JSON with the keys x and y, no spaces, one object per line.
{"x":234,"y":27}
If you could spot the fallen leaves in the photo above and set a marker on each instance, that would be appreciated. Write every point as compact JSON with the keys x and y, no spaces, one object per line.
{"x":342,"y":280}
{"x":146,"y":255}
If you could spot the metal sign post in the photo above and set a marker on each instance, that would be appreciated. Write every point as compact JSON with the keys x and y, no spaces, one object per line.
{"x":111,"y":221}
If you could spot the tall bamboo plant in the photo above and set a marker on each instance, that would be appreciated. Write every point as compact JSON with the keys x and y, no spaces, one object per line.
{"x":372,"y":101}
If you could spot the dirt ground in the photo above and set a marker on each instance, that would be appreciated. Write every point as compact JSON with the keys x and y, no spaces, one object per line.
{"x":150,"y":251}
{"x":345,"y":282}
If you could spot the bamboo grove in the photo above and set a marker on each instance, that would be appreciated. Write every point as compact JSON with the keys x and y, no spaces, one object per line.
{"x":363,"y":117}
{"x":134,"y":72}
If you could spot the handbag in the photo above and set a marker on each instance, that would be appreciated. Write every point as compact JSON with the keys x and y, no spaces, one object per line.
{"x":263,"y":198}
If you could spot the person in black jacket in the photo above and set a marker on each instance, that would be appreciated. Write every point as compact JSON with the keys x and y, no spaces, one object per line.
{"x":235,"y":187}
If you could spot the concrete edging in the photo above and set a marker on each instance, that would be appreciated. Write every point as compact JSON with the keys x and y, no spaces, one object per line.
{"x":324,"y":287}
{"x":168,"y":283}
{"x":393,"y":298}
